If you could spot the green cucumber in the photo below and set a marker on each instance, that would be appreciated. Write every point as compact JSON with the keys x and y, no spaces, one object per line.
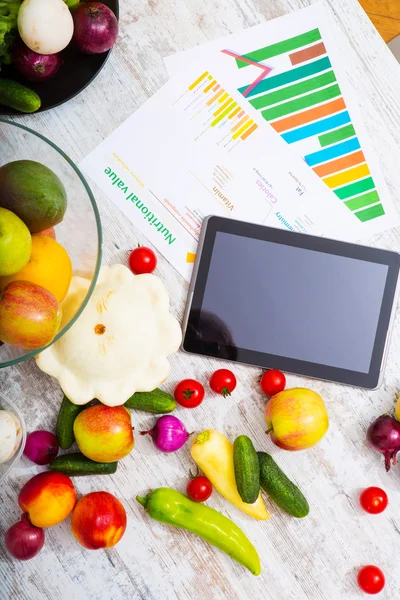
{"x":280,"y":489}
{"x":157,"y":402}
{"x":65,"y":423}
{"x":78,"y":464}
{"x":247,"y":469}
{"x":18,"y":96}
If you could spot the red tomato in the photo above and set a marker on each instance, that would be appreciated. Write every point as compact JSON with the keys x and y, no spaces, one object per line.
{"x":371,"y":580}
{"x":199,"y":489}
{"x":223,"y":382}
{"x":272,"y":382}
{"x":142,"y":260}
{"x":189,"y":393}
{"x":374,"y":500}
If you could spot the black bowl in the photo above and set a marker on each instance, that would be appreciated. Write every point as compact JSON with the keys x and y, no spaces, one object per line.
{"x":77,"y":72}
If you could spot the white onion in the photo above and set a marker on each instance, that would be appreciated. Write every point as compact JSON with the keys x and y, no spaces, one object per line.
{"x":46,"y":26}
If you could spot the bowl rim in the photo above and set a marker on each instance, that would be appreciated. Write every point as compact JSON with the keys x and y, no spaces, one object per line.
{"x":33,"y":353}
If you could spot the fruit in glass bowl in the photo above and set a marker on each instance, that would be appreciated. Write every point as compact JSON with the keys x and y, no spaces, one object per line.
{"x":58,"y":197}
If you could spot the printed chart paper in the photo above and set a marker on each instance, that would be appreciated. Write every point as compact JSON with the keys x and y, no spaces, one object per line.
{"x":290,"y":70}
{"x":193,"y":150}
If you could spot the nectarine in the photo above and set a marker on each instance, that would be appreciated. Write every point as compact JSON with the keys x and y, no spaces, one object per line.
{"x":104,"y":433}
{"x":48,"y":498}
{"x":296,"y":418}
{"x":29,"y":315}
{"x":98,"y":520}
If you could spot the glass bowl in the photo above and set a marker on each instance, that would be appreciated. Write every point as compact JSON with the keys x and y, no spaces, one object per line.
{"x":79,"y":232}
{"x":6,"y":467}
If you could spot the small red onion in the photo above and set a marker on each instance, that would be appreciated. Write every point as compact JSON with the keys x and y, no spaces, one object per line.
{"x":41,"y":447}
{"x":24,"y":540}
{"x":384,"y":435}
{"x":33,"y":66}
{"x":169,"y":434}
{"x":95,"y":27}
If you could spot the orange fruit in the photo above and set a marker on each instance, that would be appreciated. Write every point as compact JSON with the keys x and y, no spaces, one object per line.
{"x":49,"y":266}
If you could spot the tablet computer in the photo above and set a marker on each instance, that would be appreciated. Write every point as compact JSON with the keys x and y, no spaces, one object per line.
{"x":278,"y":299}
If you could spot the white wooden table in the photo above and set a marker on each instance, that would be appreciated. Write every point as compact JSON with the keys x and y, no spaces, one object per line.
{"x":315,"y":558}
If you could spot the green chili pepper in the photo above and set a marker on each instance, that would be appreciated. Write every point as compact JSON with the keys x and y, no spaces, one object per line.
{"x":173,"y":508}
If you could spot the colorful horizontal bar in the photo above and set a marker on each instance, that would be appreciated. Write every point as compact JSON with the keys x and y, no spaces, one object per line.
{"x":292,"y":91}
{"x":222,"y":107}
{"x":216,"y":87}
{"x":242,"y":129}
{"x":210,"y":86}
{"x":332,"y":152}
{"x":215,"y":97}
{"x":354,"y":189}
{"x":199,"y":80}
{"x":339,"y":164}
{"x":223,"y":97}
{"x":281,"y":47}
{"x":353,"y":174}
{"x":362,"y":201}
{"x":240,"y":114}
{"x":318,"y":127}
{"x":223,"y":114}
{"x":307,"y":54}
{"x":240,"y":123}
{"x":235,"y":112}
{"x":307,"y":116}
{"x":286,"y":108}
{"x":370,"y":213}
{"x":291,"y":76}
{"x":249,"y":131}
{"x":337,"y":136}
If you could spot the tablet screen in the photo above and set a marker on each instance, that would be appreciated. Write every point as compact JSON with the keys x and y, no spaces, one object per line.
{"x":292,"y":302}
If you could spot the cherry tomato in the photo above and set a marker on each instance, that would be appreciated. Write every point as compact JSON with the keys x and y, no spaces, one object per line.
{"x":371,"y":580}
{"x":272,"y":382}
{"x":223,"y":382}
{"x":142,"y":260}
{"x":189,"y":393}
{"x":199,"y":489}
{"x":374,"y":500}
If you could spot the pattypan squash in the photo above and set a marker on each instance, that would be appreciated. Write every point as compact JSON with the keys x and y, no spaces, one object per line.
{"x":119,"y":344}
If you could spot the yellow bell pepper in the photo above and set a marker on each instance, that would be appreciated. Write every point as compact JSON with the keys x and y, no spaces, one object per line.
{"x":213,"y":453}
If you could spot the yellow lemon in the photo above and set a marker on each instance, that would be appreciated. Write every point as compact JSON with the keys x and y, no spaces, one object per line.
{"x":49,"y":266}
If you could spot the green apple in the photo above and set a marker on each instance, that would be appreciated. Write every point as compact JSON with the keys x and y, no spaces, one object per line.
{"x":15,"y":243}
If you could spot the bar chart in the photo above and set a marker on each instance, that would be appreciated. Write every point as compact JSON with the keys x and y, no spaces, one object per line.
{"x":305,"y":105}
{"x":211,"y":105}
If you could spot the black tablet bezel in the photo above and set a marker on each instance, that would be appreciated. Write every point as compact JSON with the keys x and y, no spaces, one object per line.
{"x":194,"y":344}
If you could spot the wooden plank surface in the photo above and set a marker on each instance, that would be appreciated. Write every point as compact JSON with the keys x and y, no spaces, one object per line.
{"x":385,"y":15}
{"x":311,"y":559}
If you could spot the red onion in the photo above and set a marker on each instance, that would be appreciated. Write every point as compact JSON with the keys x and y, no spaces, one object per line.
{"x":41,"y":447}
{"x":169,"y":434}
{"x":384,"y":435}
{"x":33,"y":66}
{"x":95,"y":27}
{"x":24,"y":540}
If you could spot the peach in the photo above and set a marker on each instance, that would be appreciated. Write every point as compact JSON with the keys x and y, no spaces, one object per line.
{"x":29,"y":315}
{"x":48,"y":498}
{"x":296,"y":418}
{"x":49,"y":266}
{"x":104,"y":433}
{"x":98,"y":520}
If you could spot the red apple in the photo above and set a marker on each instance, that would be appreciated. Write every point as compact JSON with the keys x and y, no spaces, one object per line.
{"x":98,"y":520}
{"x":104,"y":433}
{"x":30,"y":316}
{"x":48,"y":498}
